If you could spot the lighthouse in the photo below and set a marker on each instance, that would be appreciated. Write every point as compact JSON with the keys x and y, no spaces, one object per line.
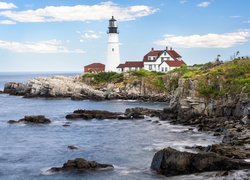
{"x":113,"y":54}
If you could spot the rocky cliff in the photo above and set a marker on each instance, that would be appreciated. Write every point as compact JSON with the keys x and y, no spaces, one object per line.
{"x":220,"y":90}
{"x":54,"y":87}
{"x":79,"y":88}
{"x":213,"y":89}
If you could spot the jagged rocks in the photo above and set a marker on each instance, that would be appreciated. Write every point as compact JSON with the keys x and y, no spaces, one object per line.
{"x":32,"y":120}
{"x":170,"y":162}
{"x":17,"y":89}
{"x":226,"y":150}
{"x":142,"y":111}
{"x":80,"y":164}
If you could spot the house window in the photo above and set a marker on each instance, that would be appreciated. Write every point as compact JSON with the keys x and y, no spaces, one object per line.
{"x":154,"y":67}
{"x":166,"y":69}
{"x":162,"y":69}
{"x":150,"y":67}
{"x":113,"y":49}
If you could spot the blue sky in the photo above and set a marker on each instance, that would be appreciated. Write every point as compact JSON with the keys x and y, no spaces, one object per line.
{"x":65,"y":35}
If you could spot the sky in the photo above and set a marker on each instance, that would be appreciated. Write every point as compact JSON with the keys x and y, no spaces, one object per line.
{"x":65,"y":35}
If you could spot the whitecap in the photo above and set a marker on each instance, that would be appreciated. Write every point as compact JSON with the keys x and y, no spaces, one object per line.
{"x":46,"y":171}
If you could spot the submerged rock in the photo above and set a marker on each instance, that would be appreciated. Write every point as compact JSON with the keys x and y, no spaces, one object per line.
{"x":80,"y":164}
{"x":32,"y":119}
{"x":171,"y":162}
{"x":72,"y":147}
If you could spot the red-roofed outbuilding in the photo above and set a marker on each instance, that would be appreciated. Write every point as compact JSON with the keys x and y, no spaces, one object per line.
{"x":94,"y":68}
{"x":130,"y":66}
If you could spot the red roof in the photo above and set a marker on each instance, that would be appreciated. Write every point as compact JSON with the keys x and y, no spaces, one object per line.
{"x":95,"y":65}
{"x":173,"y":54}
{"x":175,"y":63}
{"x":139,"y":64}
{"x":156,"y":53}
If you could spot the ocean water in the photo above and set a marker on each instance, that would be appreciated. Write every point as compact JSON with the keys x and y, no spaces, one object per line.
{"x":28,"y":151}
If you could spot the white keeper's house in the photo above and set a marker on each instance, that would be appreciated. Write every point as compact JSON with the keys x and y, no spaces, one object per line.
{"x":155,"y":60}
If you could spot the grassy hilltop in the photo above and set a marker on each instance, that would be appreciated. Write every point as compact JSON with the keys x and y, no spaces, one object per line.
{"x":214,"y":79}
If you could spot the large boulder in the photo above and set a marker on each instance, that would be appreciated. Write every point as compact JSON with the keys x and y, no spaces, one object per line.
{"x":80,"y":164}
{"x":32,"y":120}
{"x":171,"y":162}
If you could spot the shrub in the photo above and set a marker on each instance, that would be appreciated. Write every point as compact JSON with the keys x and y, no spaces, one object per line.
{"x":159,"y":84}
{"x":105,"y":77}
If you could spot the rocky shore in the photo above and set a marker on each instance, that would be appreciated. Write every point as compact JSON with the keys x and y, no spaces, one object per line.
{"x":205,"y":100}
{"x":73,"y":87}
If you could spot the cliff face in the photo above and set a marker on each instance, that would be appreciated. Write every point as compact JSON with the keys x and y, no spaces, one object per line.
{"x":134,"y":85}
{"x":189,"y":102}
{"x":214,"y":90}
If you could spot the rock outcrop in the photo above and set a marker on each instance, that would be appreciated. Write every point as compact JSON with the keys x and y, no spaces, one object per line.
{"x":54,"y":87}
{"x":92,"y":114}
{"x":80,"y":164}
{"x":187,"y":100}
{"x":230,"y":151}
{"x":18,"y":89}
{"x":32,"y":120}
{"x":171,"y":162}
{"x":75,"y":88}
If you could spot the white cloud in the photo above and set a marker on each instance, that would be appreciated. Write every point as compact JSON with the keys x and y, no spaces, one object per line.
{"x":89,"y":35}
{"x":7,"y":22}
{"x":210,"y":40}
{"x":4,"y":5}
{"x":100,"y":11}
{"x":51,"y":46}
{"x":204,"y":4}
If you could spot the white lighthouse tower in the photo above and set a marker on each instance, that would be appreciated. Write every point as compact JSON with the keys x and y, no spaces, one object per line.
{"x":113,"y":56}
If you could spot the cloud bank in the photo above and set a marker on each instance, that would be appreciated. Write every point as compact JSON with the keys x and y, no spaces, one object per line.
{"x":4,"y":5}
{"x":210,"y":40}
{"x":82,"y":13}
{"x":42,"y":47}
